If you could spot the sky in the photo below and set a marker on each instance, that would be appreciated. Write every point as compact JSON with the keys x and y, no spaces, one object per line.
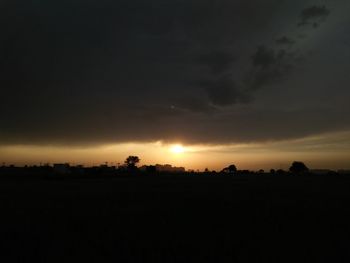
{"x":255,"y":83}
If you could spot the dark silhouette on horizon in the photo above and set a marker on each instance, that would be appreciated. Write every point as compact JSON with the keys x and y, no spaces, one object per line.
{"x":231,"y":169}
{"x":130,"y":168}
{"x":131,"y":162}
{"x":298,"y":168}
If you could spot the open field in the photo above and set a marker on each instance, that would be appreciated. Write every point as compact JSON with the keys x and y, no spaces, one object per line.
{"x":176,"y":219}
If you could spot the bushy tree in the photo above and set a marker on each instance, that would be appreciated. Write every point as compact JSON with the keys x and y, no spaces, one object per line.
{"x":131,"y":162}
{"x":230,"y":169}
{"x":298,"y":168}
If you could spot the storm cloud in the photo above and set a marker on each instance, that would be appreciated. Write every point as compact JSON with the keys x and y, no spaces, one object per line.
{"x":285,"y":41}
{"x":94,"y":72}
{"x":314,"y":15}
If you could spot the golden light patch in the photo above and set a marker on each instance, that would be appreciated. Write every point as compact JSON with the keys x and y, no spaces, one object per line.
{"x":177,"y":149}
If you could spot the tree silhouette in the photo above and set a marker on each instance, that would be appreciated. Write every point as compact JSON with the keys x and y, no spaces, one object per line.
{"x":131,"y":162}
{"x":298,"y":168}
{"x":230,"y":169}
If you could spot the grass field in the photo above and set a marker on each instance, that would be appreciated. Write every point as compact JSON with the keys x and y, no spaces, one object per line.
{"x":176,"y":219}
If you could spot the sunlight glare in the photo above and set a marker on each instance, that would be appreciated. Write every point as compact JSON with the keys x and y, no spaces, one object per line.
{"x":177,"y":149}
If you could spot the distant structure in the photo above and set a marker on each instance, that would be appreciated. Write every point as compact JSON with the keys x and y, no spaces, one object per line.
{"x":61,"y":168}
{"x":321,"y":171}
{"x":169,"y":168}
{"x":163,"y":168}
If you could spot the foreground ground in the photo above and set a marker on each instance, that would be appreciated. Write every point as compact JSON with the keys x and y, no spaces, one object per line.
{"x":176,"y":219}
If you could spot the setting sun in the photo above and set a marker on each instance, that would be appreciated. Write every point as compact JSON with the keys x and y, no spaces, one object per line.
{"x":177,"y":149}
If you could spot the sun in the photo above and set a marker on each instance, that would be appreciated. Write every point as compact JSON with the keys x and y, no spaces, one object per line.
{"x":177,"y":149}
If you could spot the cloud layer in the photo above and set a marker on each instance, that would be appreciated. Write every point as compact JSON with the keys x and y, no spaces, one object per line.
{"x":91,"y":72}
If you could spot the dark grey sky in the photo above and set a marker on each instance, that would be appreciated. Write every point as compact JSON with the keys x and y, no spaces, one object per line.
{"x":195,"y":71}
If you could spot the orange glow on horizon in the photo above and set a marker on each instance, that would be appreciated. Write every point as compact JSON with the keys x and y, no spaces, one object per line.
{"x":331,"y":151}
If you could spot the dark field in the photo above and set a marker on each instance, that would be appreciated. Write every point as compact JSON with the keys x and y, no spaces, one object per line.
{"x":176,"y":219}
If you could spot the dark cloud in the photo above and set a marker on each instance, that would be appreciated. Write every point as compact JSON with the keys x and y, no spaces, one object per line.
{"x":79,"y":72}
{"x":223,"y":91}
{"x":285,"y":41}
{"x":314,"y":15}
{"x":270,"y":66}
{"x":273,"y":64}
{"x":243,"y":125}
{"x":217,"y":61}
{"x":195,"y":104}
{"x":264,"y":57}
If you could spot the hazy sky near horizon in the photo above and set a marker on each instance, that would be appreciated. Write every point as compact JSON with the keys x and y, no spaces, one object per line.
{"x":208,"y":74}
{"x":327,"y":151}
